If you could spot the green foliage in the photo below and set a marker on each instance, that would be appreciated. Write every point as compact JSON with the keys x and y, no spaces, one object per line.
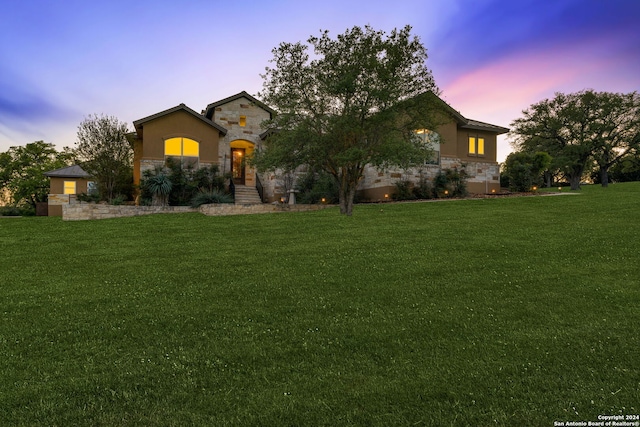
{"x":183,"y":186}
{"x":22,"y":172}
{"x":105,"y":153}
{"x":156,"y":186}
{"x":424,"y":189}
{"x":209,"y":179}
{"x":118,"y":199}
{"x":524,"y":170}
{"x":441,"y":187}
{"x":417,"y":314}
{"x":89,"y":197}
{"x":403,"y":190}
{"x":580,"y":128}
{"x":450,"y":183}
{"x":11,"y":211}
{"x":358,"y":101}
{"x":205,"y":197}
{"x":457,"y":180}
{"x":312,"y":187}
{"x":627,"y":169}
{"x":179,"y":185}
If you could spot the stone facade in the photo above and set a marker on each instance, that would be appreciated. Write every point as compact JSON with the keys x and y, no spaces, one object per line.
{"x":92,"y":211}
{"x":482,"y":177}
{"x":242,"y":118}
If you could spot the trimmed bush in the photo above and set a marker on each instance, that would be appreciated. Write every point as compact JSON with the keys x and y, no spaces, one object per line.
{"x":208,"y":197}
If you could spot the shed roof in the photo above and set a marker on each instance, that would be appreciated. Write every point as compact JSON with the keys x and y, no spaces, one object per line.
{"x":74,"y":171}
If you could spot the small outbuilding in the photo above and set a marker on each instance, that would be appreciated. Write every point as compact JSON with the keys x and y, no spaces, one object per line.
{"x":66,"y":184}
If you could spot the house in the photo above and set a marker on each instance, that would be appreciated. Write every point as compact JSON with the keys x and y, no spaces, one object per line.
{"x":65,"y":185}
{"x":229,"y":130}
{"x":458,"y":142}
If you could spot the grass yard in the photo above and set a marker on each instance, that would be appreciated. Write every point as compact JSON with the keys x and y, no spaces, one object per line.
{"x":509,"y":312}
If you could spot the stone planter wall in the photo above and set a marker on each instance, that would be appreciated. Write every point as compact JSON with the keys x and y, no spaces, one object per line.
{"x":88,"y":211}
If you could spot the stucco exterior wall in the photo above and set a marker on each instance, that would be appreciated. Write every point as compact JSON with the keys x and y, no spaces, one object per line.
{"x":56,"y":199}
{"x":179,"y":123}
{"x":150,"y":151}
{"x":56,"y":185}
{"x":490,"y":146}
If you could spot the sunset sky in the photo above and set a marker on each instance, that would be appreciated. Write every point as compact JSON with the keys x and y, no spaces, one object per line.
{"x":61,"y":61}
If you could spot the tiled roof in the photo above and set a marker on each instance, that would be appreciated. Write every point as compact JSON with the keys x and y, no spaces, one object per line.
{"x":74,"y":171}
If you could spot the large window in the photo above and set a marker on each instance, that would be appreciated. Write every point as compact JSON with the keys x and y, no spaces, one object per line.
{"x":476,"y":146}
{"x":69,"y":187}
{"x":185,"y":149}
{"x":432,"y":140}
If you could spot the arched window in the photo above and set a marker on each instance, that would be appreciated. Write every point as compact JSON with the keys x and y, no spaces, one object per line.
{"x":185,"y":149}
{"x":432,"y":140}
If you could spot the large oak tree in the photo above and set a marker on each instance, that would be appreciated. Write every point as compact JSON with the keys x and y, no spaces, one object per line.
{"x":355,"y":100}
{"x":581,"y":127}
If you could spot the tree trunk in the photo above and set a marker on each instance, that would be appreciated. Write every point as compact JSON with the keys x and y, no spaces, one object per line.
{"x":347,"y":195}
{"x":574,"y":180}
{"x":604,"y":176}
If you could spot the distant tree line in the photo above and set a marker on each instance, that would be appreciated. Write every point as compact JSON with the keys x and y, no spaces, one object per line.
{"x":575,"y":136}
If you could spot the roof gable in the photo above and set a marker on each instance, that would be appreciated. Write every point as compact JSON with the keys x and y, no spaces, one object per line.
{"x":208,"y":113}
{"x":138,"y":124}
{"x":465,"y":123}
{"x":74,"y":171}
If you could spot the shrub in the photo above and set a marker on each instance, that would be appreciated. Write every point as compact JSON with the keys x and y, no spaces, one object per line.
{"x":213,"y":196}
{"x":209,"y":179}
{"x":118,"y":199}
{"x":424,"y":189}
{"x":404,"y":190}
{"x":457,"y":181}
{"x":10,"y":211}
{"x":93,"y":197}
{"x":313,"y":186}
{"x":525,"y":169}
{"x":179,"y":185}
{"x":450,"y":183}
{"x":441,"y":185}
{"x":156,"y":186}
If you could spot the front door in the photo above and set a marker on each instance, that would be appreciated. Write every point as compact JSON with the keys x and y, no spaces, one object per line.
{"x":238,"y":165}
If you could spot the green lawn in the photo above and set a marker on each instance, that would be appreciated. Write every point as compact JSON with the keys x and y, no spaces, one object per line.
{"x":510,"y":312}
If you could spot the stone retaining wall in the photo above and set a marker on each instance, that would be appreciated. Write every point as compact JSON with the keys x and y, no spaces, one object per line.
{"x":87,"y":211}
{"x":229,"y":209}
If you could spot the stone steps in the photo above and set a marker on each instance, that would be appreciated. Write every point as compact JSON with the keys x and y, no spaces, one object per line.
{"x":246,"y":195}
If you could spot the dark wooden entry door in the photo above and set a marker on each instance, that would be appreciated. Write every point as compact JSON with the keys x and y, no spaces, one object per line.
{"x":238,"y":165}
